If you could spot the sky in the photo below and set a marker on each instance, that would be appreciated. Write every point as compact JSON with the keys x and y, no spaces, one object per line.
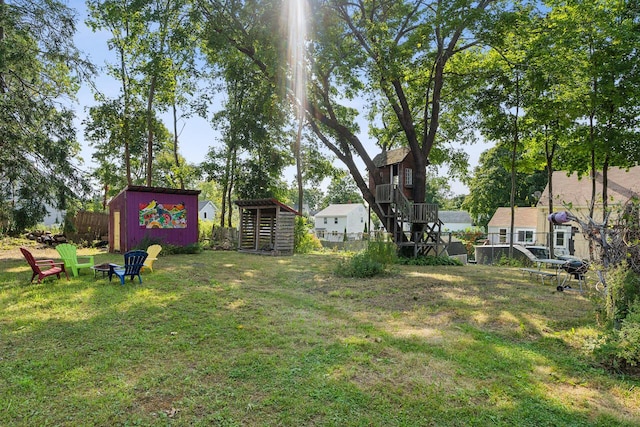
{"x":197,"y":135}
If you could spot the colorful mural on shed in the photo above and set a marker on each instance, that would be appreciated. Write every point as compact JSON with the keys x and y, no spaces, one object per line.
{"x":159,"y":215}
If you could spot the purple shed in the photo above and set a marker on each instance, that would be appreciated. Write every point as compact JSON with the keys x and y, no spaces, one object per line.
{"x":169,"y":215}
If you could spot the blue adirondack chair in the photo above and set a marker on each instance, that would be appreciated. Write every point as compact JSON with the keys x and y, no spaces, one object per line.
{"x":133,"y":262}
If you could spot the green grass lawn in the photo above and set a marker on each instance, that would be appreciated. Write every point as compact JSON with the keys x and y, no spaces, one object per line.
{"x":228,"y":339}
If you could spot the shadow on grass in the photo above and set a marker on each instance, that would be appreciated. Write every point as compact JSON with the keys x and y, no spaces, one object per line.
{"x":231,"y":339}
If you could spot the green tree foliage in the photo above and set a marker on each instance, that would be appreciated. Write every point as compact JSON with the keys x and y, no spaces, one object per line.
{"x":395,"y":53}
{"x":39,"y":74}
{"x":490,"y":186}
{"x":157,"y":50}
{"x":342,"y":189}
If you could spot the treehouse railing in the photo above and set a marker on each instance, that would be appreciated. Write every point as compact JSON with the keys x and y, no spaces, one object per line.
{"x":425,"y":212}
{"x":404,"y":206}
{"x":384,"y":193}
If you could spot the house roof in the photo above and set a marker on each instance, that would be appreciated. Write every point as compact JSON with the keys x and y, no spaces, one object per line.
{"x":339,"y":209}
{"x":524,"y":217}
{"x":391,"y":157}
{"x":203,"y":203}
{"x":621,"y":186}
{"x":457,"y":217}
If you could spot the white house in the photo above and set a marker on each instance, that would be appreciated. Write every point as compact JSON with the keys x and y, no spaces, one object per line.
{"x":524,"y":228}
{"x":206,"y":210}
{"x":455,"y":220}
{"x":331,"y":222}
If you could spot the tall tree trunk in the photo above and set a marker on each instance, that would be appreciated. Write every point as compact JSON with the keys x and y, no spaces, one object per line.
{"x":605,"y":186}
{"x":514,"y":152}
{"x":234,"y":163}
{"x":549,"y":154}
{"x":593,"y":173}
{"x":125,"y":118}
{"x":152,"y":92}
{"x":226,"y":177}
{"x":3,"y":85}
{"x":175,"y":144}
{"x":299,"y":162}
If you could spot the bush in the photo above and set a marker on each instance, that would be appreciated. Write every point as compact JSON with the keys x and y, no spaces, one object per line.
{"x":359,"y":265}
{"x":505,"y":261}
{"x":620,"y":346}
{"x":629,"y":336}
{"x":168,"y":249}
{"x":370,"y":262}
{"x":430,"y":260}
{"x":623,"y":289}
{"x":148,"y":241}
{"x":304,"y":241}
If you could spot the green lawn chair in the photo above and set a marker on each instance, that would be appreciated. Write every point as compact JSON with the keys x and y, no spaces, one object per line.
{"x":68,"y":253}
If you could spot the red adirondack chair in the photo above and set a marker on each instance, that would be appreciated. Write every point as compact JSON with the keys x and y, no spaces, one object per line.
{"x":43,"y":268}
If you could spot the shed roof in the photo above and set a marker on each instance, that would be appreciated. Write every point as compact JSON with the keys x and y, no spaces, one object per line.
{"x":339,"y":209}
{"x":457,"y":217}
{"x":622,"y":184}
{"x":162,"y":190}
{"x":264,"y":203}
{"x":391,"y":157}
{"x":524,"y":217}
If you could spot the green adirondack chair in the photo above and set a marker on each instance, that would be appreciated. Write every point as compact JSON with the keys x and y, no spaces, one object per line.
{"x":69,"y":255}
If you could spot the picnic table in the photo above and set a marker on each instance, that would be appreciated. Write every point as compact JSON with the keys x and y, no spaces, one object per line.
{"x":556,"y":271}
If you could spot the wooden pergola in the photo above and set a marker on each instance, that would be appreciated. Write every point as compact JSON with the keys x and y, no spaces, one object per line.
{"x":266,"y":227}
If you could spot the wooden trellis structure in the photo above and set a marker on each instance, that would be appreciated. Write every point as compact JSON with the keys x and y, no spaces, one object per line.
{"x":266,"y":227}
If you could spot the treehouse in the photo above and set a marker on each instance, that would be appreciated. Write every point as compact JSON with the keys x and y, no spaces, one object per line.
{"x":414,"y":226}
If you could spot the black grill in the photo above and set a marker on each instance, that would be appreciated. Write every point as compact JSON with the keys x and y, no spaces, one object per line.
{"x":576,"y":267}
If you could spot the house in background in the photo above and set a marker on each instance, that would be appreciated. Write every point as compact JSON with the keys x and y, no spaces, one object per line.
{"x":455,"y":220}
{"x":331,"y":222}
{"x":574,"y":194}
{"x":166,"y":215}
{"x":206,"y":210}
{"x":525,"y":226}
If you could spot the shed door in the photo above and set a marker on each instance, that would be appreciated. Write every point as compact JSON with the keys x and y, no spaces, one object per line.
{"x":116,"y":231}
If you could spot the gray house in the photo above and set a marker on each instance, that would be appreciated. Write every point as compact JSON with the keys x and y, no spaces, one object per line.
{"x":455,"y":220}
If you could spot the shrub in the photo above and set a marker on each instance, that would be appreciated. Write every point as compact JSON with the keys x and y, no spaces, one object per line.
{"x":359,"y":265}
{"x":505,"y":261}
{"x":168,"y":249}
{"x":304,"y":241}
{"x":623,"y":289}
{"x":370,"y":262}
{"x":429,"y":260}
{"x":148,"y":241}
{"x":620,"y":346}
{"x":629,"y":336}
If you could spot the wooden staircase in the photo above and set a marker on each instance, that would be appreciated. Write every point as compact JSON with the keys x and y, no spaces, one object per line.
{"x":413,"y":225}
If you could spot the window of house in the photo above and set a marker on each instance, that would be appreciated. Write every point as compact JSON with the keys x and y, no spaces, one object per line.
{"x":408,"y":177}
{"x":503,"y":235}
{"x":325,"y":219}
{"x":559,"y":239}
{"x":361,"y":220}
{"x":335,"y":220}
{"x":525,"y":236}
